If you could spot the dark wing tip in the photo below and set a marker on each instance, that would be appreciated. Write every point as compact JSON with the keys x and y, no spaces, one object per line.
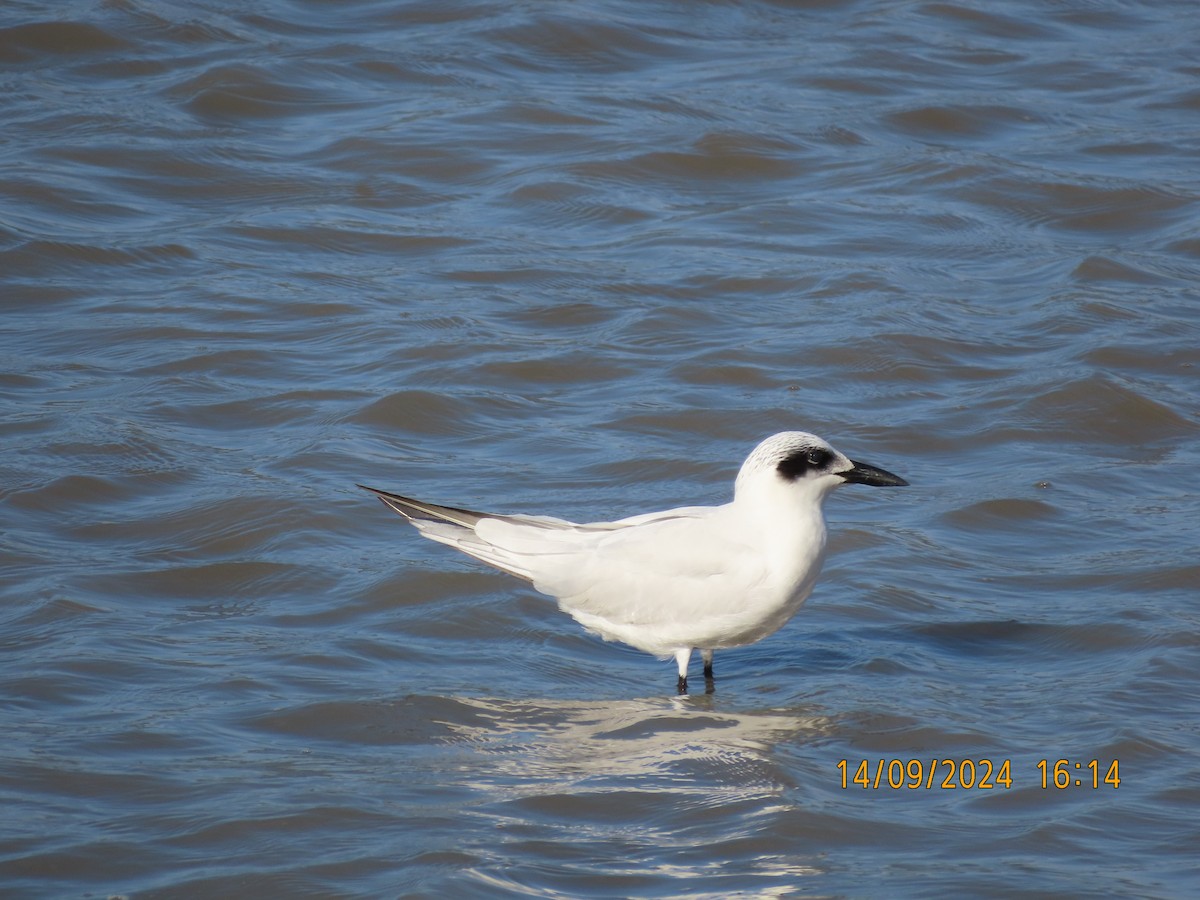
{"x":432,"y":512}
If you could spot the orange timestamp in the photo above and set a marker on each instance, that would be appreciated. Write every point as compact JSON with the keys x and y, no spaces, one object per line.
{"x":972,"y":774}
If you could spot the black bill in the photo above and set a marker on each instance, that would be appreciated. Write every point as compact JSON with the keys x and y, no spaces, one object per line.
{"x":864,"y":473}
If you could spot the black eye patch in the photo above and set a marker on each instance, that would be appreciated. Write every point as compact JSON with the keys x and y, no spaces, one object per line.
{"x":798,"y":463}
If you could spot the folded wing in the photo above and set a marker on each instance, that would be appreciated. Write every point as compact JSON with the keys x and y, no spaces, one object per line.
{"x":621,"y":579}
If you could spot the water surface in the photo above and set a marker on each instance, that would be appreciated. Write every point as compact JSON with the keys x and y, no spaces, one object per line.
{"x":579,"y":259}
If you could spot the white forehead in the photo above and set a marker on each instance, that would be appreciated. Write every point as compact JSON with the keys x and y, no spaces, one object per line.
{"x":777,"y":447}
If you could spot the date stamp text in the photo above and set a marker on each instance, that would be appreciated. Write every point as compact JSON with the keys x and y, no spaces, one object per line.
{"x":938,"y":773}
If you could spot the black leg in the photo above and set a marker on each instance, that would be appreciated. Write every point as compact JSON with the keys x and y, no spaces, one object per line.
{"x":708,"y":670}
{"x":681,"y":688}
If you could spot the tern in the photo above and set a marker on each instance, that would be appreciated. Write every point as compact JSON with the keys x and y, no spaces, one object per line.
{"x":670,"y":582}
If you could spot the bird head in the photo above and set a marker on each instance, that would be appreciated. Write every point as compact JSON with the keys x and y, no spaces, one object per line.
{"x":803,"y":462}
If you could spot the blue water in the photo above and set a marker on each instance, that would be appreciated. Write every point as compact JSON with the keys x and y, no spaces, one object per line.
{"x":579,"y":259}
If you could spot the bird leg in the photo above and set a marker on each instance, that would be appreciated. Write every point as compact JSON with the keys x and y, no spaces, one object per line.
{"x":682,"y":656}
{"x":709,"y":685}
